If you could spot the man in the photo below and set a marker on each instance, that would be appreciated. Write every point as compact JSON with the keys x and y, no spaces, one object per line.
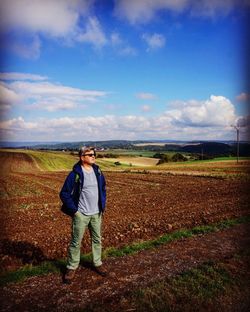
{"x":84,"y":196}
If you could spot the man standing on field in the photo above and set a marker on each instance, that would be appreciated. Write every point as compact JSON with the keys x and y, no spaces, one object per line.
{"x":84,"y":196}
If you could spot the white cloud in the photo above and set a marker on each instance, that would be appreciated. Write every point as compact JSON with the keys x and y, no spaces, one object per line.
{"x":18,"y":124}
{"x":52,"y":17}
{"x":21,"y":76}
{"x":217,"y":111}
{"x":112,"y":107}
{"x":7,"y":98}
{"x":154,"y":41}
{"x":146,"y":96}
{"x":121,"y":46}
{"x":29,"y":48}
{"x":243,"y":97}
{"x":39,"y":89}
{"x":115,"y":39}
{"x":210,"y":119}
{"x":54,"y":104}
{"x":127,"y":50}
{"x":144,"y":11}
{"x":93,"y":33}
{"x":65,"y":20}
{"x":146,"y":108}
{"x":37,"y":93}
{"x":212,"y":8}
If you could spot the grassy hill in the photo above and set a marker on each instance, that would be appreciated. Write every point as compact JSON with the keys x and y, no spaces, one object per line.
{"x":29,"y":160}
{"x":51,"y":161}
{"x":32,"y":161}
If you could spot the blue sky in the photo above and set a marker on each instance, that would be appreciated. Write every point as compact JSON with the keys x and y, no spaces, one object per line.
{"x":135,"y":69}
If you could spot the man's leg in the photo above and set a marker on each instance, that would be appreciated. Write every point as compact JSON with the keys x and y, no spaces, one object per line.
{"x":95,"y":231}
{"x":79,"y":224}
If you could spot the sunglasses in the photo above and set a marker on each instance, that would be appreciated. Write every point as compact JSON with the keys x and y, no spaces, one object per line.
{"x":90,"y":155}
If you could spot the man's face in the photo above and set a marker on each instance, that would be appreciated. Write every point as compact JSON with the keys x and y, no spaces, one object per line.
{"x":88,"y":157}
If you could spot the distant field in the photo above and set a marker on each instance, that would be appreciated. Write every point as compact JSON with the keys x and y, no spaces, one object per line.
{"x":153,"y":144}
{"x":163,"y":144}
{"x":129,"y":152}
{"x":217,"y":168}
{"x":29,"y":160}
{"x":133,"y":161}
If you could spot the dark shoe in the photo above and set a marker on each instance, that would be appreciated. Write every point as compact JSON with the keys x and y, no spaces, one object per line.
{"x":69,"y":276}
{"x":100,"y":270}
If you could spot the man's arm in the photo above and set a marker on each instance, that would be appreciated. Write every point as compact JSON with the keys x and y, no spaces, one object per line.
{"x":66,"y":193}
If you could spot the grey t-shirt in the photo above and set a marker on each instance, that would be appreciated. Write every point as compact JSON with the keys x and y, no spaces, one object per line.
{"x":88,"y":201}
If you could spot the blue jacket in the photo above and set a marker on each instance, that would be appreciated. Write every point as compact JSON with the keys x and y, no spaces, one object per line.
{"x":72,"y":188}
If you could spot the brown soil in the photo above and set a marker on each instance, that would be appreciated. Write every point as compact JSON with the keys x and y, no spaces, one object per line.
{"x":126,"y":274}
{"x":139,"y":207}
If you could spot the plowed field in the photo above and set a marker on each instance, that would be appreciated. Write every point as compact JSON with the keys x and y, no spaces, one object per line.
{"x":139,"y":207}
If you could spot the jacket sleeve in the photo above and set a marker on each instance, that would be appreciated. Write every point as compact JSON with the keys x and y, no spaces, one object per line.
{"x":104,"y":186}
{"x":103,"y":192}
{"x":66,"y":193}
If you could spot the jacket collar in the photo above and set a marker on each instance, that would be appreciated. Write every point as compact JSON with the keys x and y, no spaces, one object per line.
{"x":78,"y":169}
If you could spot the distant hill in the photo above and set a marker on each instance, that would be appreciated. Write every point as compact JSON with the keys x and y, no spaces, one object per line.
{"x":124,"y":144}
{"x":209,"y":148}
{"x":76,"y":145}
{"x":215,"y":148}
{"x":8,"y":144}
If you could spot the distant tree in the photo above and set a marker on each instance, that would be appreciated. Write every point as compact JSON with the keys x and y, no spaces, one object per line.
{"x":203,"y":157}
{"x":163,"y":158}
{"x":158,"y":155}
{"x":178,"y":157}
{"x":110,"y":155}
{"x":117,"y":163}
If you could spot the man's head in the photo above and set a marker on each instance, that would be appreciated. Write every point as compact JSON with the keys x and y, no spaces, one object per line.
{"x":87,"y":155}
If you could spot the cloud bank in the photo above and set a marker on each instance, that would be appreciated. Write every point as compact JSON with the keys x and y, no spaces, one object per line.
{"x":37,"y":92}
{"x":208,"y":119}
{"x":211,"y":118}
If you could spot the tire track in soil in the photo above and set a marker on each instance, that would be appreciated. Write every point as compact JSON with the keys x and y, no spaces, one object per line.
{"x":126,"y":274}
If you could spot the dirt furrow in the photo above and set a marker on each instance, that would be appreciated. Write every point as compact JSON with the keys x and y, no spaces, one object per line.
{"x":126,"y":274}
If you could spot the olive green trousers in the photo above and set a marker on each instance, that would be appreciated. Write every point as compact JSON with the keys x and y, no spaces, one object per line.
{"x":79,"y":224}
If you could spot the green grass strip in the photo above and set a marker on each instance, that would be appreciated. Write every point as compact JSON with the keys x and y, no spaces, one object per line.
{"x":170,"y":237}
{"x":28,"y":271}
{"x":189,"y":291}
{"x":57,"y":265}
